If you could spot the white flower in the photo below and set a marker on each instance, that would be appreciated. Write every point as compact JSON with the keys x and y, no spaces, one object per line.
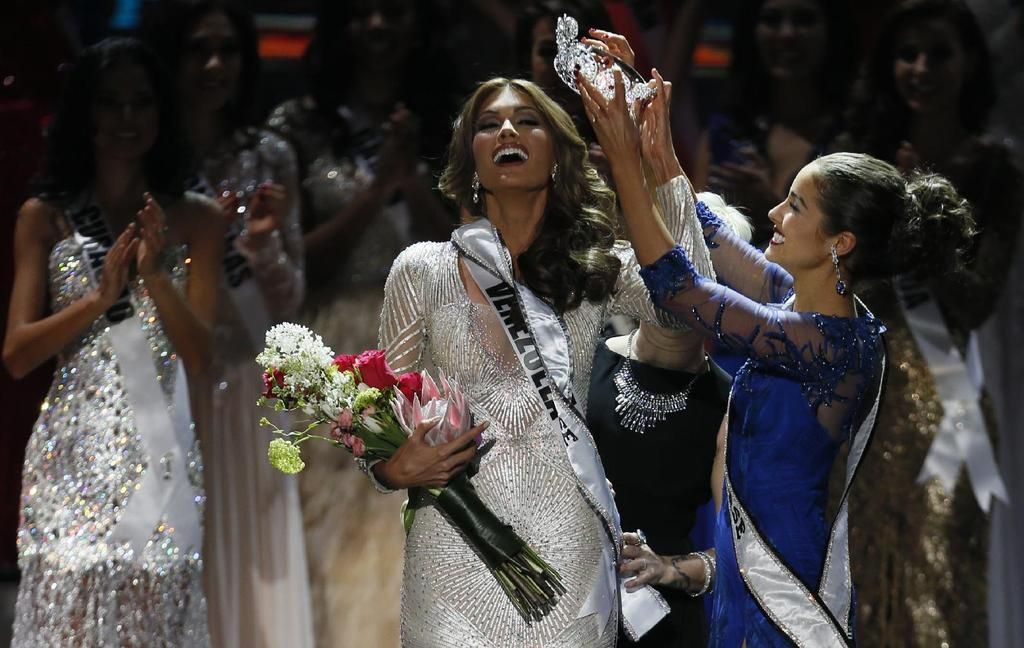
{"x":303,"y":358}
{"x":294,"y":346}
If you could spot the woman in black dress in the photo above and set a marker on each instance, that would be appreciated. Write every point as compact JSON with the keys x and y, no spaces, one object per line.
{"x":656,"y":403}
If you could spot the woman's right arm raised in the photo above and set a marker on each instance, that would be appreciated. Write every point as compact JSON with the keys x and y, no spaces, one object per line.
{"x":736,"y":263}
{"x":32,"y":336}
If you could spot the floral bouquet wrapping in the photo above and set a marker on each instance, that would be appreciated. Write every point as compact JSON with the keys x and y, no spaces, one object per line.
{"x":370,"y":412}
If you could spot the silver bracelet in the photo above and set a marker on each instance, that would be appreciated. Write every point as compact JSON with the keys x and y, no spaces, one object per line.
{"x":709,"y":571}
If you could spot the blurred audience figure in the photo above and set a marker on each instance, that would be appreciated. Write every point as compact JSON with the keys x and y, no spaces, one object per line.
{"x":791,"y":68}
{"x":536,"y":46}
{"x":122,"y":292}
{"x":255,"y":557}
{"x":656,"y":402}
{"x":367,"y":137}
{"x":920,"y":552}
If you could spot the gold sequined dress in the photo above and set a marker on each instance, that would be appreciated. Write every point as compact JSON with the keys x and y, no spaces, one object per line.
{"x":82,"y":466}
{"x":919,"y":555}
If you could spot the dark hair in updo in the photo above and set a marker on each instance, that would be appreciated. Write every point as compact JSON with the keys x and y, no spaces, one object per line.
{"x":917,"y":225}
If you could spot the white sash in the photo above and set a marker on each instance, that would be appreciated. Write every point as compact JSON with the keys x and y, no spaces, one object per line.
{"x":165,"y":431}
{"x":962,"y":437}
{"x":812,"y":619}
{"x":243,"y":290}
{"x":538,"y":337}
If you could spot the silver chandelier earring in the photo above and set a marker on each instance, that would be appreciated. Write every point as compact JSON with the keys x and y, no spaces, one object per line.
{"x":476,"y":187}
{"x":554,"y":173}
{"x":840,"y":284}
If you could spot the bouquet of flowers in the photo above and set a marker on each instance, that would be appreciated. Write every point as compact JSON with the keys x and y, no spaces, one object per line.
{"x":370,"y":412}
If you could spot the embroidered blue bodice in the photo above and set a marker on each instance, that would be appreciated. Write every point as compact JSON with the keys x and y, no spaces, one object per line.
{"x":799,"y":395}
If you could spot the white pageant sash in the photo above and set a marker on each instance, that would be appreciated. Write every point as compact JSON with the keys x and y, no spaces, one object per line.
{"x":163,"y":491}
{"x":811,"y":619}
{"x":962,"y":437}
{"x":538,"y":337}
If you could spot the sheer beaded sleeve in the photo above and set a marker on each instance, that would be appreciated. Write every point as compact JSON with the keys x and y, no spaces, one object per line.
{"x":402,"y":321}
{"x":738,"y":264}
{"x":834,"y":358}
{"x":279,"y":263}
{"x":676,"y":204}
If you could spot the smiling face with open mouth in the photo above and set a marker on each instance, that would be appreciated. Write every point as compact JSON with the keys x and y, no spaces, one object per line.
{"x":512,"y":144}
{"x":799,"y":242}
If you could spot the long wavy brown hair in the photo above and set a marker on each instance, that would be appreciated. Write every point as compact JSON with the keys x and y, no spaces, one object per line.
{"x":571,"y":259}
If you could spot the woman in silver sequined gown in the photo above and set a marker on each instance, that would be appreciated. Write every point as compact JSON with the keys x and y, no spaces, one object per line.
{"x":83,"y":583}
{"x":257,"y":585}
{"x":434,"y":314}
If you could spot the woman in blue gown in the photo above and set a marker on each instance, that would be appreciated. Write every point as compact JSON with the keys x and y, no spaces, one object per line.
{"x":815,"y":358}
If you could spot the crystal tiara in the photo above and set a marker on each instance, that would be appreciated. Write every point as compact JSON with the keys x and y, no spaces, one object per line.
{"x":572,"y":54}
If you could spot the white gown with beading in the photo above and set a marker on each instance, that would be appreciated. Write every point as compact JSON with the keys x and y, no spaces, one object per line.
{"x":449,"y":598}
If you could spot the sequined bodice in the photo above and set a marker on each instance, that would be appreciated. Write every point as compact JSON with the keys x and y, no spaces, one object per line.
{"x":251,"y":157}
{"x":91,"y":355}
{"x":525,"y":477}
{"x":449,"y":598}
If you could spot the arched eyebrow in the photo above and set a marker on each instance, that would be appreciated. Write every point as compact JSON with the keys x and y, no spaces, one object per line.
{"x":494,"y":113}
{"x":795,"y":196}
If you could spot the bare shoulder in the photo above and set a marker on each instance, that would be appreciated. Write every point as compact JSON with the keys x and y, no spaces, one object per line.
{"x":39,"y":221}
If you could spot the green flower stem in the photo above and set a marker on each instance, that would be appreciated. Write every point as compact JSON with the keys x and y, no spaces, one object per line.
{"x":531,"y":584}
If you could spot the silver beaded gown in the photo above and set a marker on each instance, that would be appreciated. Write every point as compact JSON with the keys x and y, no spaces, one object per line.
{"x":448,"y":596}
{"x":82,"y":465}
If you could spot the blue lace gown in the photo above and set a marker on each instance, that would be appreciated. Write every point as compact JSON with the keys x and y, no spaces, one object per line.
{"x":799,"y":395}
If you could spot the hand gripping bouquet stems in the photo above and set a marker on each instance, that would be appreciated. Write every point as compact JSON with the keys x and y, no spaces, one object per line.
{"x":370,"y":412}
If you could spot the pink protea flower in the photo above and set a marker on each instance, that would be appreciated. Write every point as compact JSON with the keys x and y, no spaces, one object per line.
{"x":347,"y":439}
{"x":342,"y":424}
{"x":444,"y":401}
{"x":358,"y":447}
{"x":345,"y":419}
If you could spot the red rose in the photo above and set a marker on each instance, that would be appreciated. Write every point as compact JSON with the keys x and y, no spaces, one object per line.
{"x":344,"y":362}
{"x":374,"y":369}
{"x":410,"y":384}
{"x":269,"y":382}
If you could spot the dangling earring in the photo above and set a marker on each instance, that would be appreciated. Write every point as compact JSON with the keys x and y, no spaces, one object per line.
{"x":554,"y":173}
{"x":840,"y":284}
{"x":476,"y":187}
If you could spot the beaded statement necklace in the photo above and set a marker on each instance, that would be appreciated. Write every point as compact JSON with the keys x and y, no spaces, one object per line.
{"x":640,"y":410}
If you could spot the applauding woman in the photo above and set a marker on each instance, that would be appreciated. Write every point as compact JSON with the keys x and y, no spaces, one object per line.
{"x":123,"y":293}
{"x":815,"y":361}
